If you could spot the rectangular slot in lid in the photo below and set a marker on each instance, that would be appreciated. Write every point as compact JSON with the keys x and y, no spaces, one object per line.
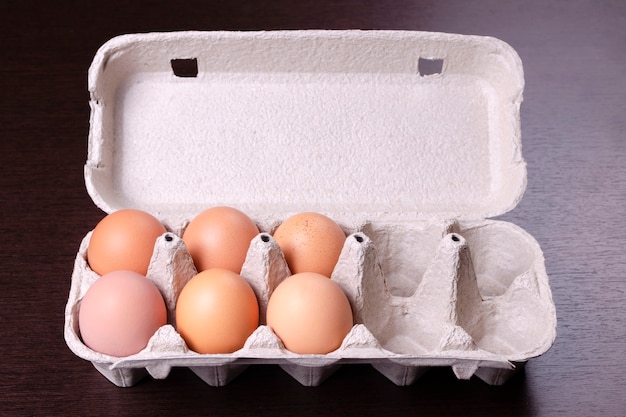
{"x":429,"y":66}
{"x":185,"y":67}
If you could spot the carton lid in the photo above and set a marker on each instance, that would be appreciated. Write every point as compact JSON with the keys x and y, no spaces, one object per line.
{"x":379,"y":125}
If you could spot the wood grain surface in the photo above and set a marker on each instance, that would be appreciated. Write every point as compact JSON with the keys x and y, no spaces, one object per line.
{"x":574,"y":139}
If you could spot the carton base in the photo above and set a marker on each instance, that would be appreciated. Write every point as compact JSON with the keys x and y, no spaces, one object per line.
{"x":218,"y":376}
{"x":400,"y":375}
{"x":310,"y":376}
{"x":121,"y":377}
{"x":498,"y":376}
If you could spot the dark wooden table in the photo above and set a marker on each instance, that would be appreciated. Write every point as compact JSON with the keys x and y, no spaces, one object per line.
{"x":574,"y":136}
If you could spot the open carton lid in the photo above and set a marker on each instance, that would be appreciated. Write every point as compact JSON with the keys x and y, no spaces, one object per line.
{"x":376,"y":125}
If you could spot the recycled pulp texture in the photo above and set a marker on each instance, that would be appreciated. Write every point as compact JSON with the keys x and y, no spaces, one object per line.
{"x":352,"y":124}
{"x":341,"y":122}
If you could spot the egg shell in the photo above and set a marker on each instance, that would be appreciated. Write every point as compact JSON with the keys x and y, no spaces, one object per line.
{"x":309,"y":313}
{"x":124,"y":240}
{"x":311,"y":242}
{"x":219,"y":237}
{"x":120,"y":312}
{"x":216,"y":312}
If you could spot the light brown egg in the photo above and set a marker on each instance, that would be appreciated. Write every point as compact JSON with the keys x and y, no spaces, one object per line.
{"x":120,"y":312}
{"x":309,"y":313}
{"x":311,"y":242}
{"x":216,"y":312}
{"x":219,"y":238}
{"x":124,"y":240}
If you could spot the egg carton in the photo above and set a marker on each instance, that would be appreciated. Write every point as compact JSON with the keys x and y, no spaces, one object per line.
{"x":409,"y":140}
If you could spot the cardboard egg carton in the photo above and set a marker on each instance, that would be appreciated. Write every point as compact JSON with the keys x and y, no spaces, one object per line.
{"x":409,"y":140}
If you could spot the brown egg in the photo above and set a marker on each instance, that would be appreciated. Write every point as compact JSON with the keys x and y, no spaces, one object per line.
{"x":219,"y":238}
{"x":120,"y":312}
{"x":309,"y":313}
{"x":311,"y":242}
{"x":124,"y":240}
{"x":216,"y":312}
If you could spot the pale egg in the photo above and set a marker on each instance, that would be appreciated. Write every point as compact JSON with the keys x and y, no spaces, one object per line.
{"x":309,"y":313}
{"x":216,"y":312}
{"x":120,"y":312}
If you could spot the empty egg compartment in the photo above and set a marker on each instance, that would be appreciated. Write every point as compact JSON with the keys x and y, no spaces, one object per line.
{"x":438,"y":308}
{"x":518,"y":317}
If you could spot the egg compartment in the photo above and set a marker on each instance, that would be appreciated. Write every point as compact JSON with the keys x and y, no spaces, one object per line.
{"x":481,"y":305}
{"x":486,"y":324}
{"x":170,"y":268}
{"x":410,"y":140}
